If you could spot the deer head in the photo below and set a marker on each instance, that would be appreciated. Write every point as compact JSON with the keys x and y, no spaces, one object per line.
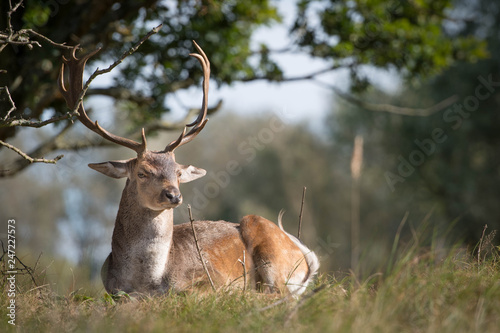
{"x":153,"y":177}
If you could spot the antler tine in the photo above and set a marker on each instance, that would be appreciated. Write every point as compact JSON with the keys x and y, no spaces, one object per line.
{"x":205,"y":64}
{"x":199,"y":123}
{"x":71,"y":95}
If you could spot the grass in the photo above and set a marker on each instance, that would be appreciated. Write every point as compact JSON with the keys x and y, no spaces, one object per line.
{"x":425,"y":290}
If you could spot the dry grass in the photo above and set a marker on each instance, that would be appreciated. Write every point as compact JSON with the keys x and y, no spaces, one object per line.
{"x":423,"y":291}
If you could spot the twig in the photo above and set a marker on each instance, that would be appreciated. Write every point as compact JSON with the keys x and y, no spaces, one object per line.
{"x":9,"y":97}
{"x":19,"y":38}
{"x":167,"y":126}
{"x":27,"y":42}
{"x":243,"y":263}
{"x":9,"y":15}
{"x":406,"y":111}
{"x":74,"y":112}
{"x":48,"y":40}
{"x":309,"y":76}
{"x":198,"y":248}
{"x":13,"y":9}
{"x":480,"y":245}
{"x":21,"y":271}
{"x":10,"y":37}
{"x":301,"y":211}
{"x":44,"y":148}
{"x":98,"y":71}
{"x":37,"y":124}
{"x":29,"y":158}
{"x":29,"y":270}
{"x":419,"y":112}
{"x":54,"y":143}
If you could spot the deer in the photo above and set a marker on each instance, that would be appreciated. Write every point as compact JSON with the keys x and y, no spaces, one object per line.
{"x":151,"y":255}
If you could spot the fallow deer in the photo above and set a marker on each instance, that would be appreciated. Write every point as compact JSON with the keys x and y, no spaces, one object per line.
{"x":149,"y":254}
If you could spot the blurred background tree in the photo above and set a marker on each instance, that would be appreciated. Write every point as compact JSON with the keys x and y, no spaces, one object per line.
{"x":440,"y":48}
{"x":451,"y":184}
{"x":406,"y":36}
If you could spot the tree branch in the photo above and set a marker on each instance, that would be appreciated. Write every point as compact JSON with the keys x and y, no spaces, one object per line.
{"x":19,"y":37}
{"x":43,"y":149}
{"x":120,"y":93}
{"x":11,"y":37}
{"x":56,"y":143}
{"x":98,"y":72}
{"x":416,"y":112}
{"x":29,"y":158}
{"x":9,"y":17}
{"x":168,"y":126}
{"x":420,"y":112}
{"x":13,"y":105}
{"x":53,"y":143}
{"x":285,"y":49}
{"x":48,"y":40}
{"x":309,"y":76}
{"x":36,"y":124}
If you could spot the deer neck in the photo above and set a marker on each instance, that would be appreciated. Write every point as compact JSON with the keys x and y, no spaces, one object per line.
{"x":141,"y":243}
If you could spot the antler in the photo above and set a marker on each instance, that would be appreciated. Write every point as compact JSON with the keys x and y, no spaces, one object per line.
{"x":198,"y":124}
{"x":76,"y":67}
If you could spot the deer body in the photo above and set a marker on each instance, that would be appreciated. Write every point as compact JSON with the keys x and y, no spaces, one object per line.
{"x":151,"y":255}
{"x":172,"y":263}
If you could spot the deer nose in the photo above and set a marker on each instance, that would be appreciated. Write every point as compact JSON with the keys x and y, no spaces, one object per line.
{"x":172,"y":194}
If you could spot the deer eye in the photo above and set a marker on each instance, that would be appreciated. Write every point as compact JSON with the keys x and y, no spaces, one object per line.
{"x":141,"y":175}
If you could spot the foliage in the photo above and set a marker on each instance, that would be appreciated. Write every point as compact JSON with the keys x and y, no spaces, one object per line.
{"x":407,"y":36}
{"x":144,"y":81}
{"x":159,"y":68}
{"x":445,"y":163}
{"x":404,"y":35}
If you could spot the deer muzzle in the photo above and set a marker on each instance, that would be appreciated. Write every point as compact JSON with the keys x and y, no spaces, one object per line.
{"x":171,"y":195}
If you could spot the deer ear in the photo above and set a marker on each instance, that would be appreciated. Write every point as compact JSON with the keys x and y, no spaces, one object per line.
{"x":189,"y":173}
{"x":114,"y":169}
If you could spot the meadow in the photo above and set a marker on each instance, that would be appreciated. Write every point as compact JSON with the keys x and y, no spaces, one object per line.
{"x":422,"y":289}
